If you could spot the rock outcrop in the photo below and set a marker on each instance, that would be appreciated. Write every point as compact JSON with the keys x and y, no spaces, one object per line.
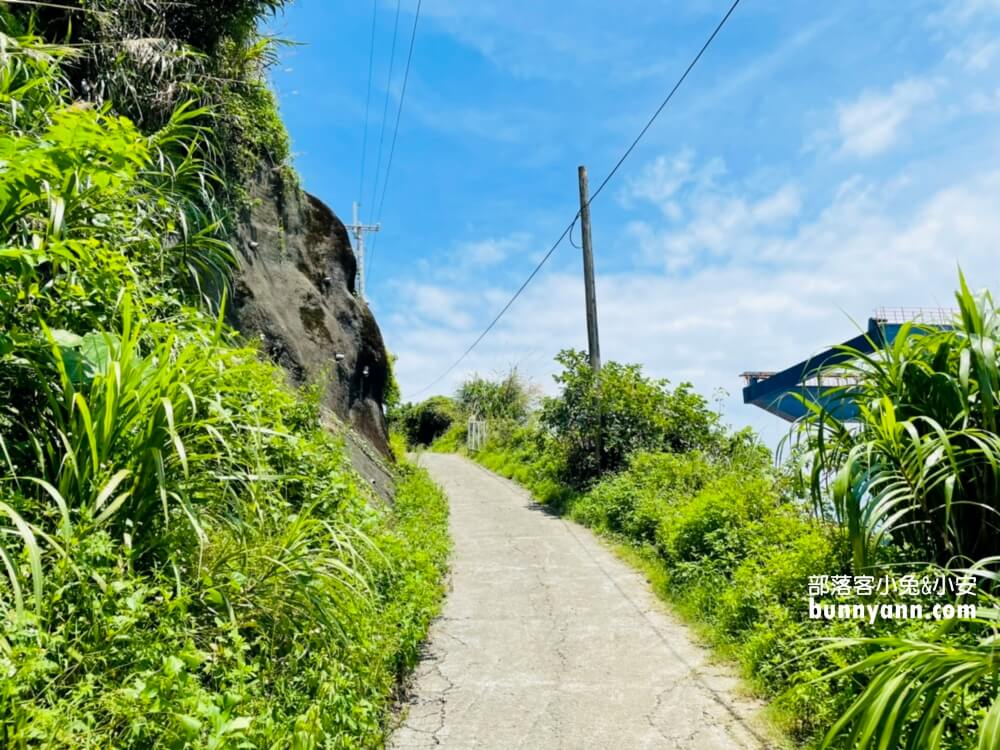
{"x":295,"y":292}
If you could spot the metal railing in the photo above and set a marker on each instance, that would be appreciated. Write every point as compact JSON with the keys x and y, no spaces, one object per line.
{"x":938,"y":316}
{"x":826,"y":379}
{"x":751,"y":377}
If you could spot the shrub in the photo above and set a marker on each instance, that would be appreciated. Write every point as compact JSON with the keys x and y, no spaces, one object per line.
{"x":629,"y":412}
{"x":423,"y":423}
{"x":633,"y":502}
{"x":453,"y":440}
{"x":716,"y":525}
{"x":145,"y":59}
{"x":774,"y":576}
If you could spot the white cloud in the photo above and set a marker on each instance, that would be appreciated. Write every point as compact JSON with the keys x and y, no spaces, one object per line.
{"x":784,"y":203}
{"x":872,"y":123}
{"x":751,"y":72}
{"x":518,"y":36}
{"x":490,"y":252}
{"x":962,"y":12}
{"x":662,"y":180}
{"x":469,"y":260}
{"x":442,"y":306}
{"x":985,"y":101}
{"x":976,"y":55}
{"x":548,"y":41}
{"x":969,"y":28}
{"x":509,"y":126}
{"x":717,"y":221}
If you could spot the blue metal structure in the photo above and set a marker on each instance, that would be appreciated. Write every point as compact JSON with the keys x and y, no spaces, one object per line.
{"x":773,"y":392}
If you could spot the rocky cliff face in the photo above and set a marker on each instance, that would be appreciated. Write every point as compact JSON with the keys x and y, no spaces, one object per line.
{"x":295,"y":292}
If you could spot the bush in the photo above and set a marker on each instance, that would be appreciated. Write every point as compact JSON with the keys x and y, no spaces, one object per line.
{"x":629,"y":411}
{"x":421,"y":424}
{"x":633,"y":502}
{"x":143,"y":60}
{"x":453,"y":440}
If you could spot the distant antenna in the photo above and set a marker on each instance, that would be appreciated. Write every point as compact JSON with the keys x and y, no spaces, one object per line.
{"x":358,"y":230}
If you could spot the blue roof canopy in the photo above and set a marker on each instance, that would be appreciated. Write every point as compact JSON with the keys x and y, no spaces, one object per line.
{"x":775,"y":392}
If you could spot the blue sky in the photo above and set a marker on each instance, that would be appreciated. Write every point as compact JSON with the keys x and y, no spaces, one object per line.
{"x":821,"y":161}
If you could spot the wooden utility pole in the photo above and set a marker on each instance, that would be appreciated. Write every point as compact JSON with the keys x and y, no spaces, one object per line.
{"x":593,"y":340}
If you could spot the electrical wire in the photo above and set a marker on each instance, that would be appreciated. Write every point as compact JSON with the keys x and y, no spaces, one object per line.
{"x":368,"y":100}
{"x":395,"y":134}
{"x":566,"y":232}
{"x":665,"y":102}
{"x":506,"y":307}
{"x":578,"y":247}
{"x":385,"y":105}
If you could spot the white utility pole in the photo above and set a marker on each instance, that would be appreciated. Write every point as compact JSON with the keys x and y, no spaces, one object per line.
{"x":358,"y":230}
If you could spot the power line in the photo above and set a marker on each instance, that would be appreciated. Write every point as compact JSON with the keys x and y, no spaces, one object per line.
{"x":368,"y":99}
{"x":593,"y":196}
{"x":385,"y":106}
{"x":506,"y":307}
{"x":666,"y":101}
{"x":395,"y":131}
{"x":399,"y":112}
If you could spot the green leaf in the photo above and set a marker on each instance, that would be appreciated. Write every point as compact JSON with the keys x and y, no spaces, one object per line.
{"x":66,"y":339}
{"x":239,"y":724}
{"x":190,"y":726}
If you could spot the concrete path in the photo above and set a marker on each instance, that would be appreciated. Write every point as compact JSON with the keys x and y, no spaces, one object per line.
{"x":548,"y":641}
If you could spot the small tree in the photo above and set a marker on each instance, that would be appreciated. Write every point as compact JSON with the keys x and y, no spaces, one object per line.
{"x":629,"y":411}
{"x":508,"y":398}
{"x":392,"y":397}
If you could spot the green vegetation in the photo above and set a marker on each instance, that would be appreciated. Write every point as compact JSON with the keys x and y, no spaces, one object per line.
{"x":918,"y":476}
{"x":731,"y":539}
{"x":186,"y":557}
{"x":506,"y":399}
{"x":442,"y":423}
{"x":630,"y":412}
{"x":146,"y":59}
{"x":923,"y":465}
{"x":421,"y":424}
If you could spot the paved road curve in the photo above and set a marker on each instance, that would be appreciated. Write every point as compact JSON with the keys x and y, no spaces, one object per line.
{"x":548,"y":641}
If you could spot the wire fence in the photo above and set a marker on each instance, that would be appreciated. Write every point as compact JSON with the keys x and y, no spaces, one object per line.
{"x":477,"y":434}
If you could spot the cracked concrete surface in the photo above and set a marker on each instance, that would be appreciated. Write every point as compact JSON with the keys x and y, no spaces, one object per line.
{"x":548,"y":641}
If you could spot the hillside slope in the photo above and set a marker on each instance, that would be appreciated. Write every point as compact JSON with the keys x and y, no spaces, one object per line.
{"x":295,"y":291}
